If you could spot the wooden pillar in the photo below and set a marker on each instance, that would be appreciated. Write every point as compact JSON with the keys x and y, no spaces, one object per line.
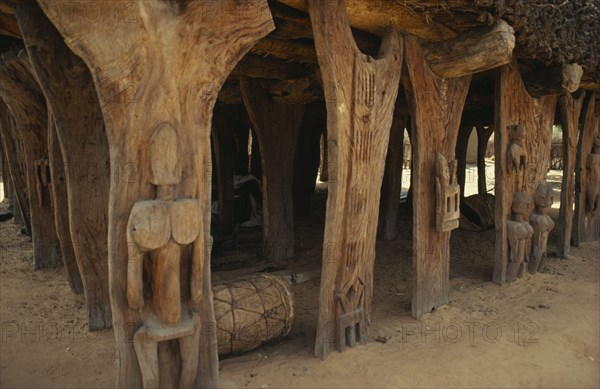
{"x":436,"y":106}
{"x":26,"y":103}
{"x":307,"y":158}
{"x":360,"y":93}
{"x":514,"y":106}
{"x":157,"y":83}
{"x":324,"y":163}
{"x":61,"y":207}
{"x":6,"y":181}
{"x":483,"y":137}
{"x":82,"y":142}
{"x":224,"y":148}
{"x":586,"y":224}
{"x":13,"y":148}
{"x":277,"y":127}
{"x":462,"y":144}
{"x":392,"y":181}
{"x":570,"y":109}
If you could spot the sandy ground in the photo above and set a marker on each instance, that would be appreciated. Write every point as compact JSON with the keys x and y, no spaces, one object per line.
{"x":540,"y":331}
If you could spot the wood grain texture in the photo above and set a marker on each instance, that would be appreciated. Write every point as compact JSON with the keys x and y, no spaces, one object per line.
{"x":514,"y":106}
{"x":360,"y":94}
{"x":277,"y":127}
{"x":570,"y":110}
{"x":196,"y":44}
{"x":69,"y":89}
{"x":436,"y":106}
{"x":15,"y":153}
{"x":23,"y":96}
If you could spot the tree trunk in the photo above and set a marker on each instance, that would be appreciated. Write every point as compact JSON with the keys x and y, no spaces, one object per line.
{"x":26,"y":103}
{"x":357,"y":144}
{"x":570,"y":109}
{"x":514,"y":106}
{"x":277,"y":127}
{"x":436,"y":106}
{"x":69,"y":89}
{"x":159,"y":127}
{"x":61,"y":207}
{"x":392,"y":181}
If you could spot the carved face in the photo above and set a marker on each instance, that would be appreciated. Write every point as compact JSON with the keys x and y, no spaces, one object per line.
{"x":518,"y":132}
{"x":544,"y":196}
{"x":596,"y":142}
{"x":521,"y":203}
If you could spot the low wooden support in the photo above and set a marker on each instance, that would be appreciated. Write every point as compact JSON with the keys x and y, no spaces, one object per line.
{"x":360,"y":93}
{"x":306,"y":160}
{"x":553,"y":80}
{"x":436,"y":106}
{"x":160,"y":126}
{"x":277,"y":127}
{"x":471,"y":52}
{"x":61,"y":207}
{"x":23,"y":96}
{"x":14,"y":151}
{"x":69,"y":89}
{"x":570,"y":109}
{"x":523,"y":135}
{"x":586,"y":224}
{"x":392,"y":181}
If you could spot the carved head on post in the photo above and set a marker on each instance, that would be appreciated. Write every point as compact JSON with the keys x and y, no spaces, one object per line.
{"x":517,"y":134}
{"x":521,"y":206}
{"x":596,"y":143}
{"x":543,"y":197}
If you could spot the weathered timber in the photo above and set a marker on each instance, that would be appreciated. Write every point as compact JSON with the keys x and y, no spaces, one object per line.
{"x":462,"y":144}
{"x":81,"y":136}
{"x":360,"y":93}
{"x":324,"y":163}
{"x":570,"y":109}
{"x":23,"y":96}
{"x":254,"y":66}
{"x":277,"y":127}
{"x":586,"y":223}
{"x":523,"y":134}
{"x":471,"y":52}
{"x":306,"y":160}
{"x":162,"y":136}
{"x":483,"y":136}
{"x":553,"y":80}
{"x":392,"y":181}
{"x":61,"y":207}
{"x":436,"y":106}
{"x":15,"y":153}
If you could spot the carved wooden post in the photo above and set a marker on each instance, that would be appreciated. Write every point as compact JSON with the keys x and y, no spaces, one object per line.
{"x":157,"y":87}
{"x":483,"y":137}
{"x":523,"y":135}
{"x":81,"y":137}
{"x":61,"y":207}
{"x":306,"y":160}
{"x":542,"y":224}
{"x":436,"y":106}
{"x":360,"y":93}
{"x":462,"y":144}
{"x":277,"y":127}
{"x":392,"y":181}
{"x":586,"y":225}
{"x":26,"y":103}
{"x":13,"y":149}
{"x":570,"y":108}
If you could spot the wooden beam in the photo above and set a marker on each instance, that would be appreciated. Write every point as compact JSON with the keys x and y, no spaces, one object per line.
{"x":255,"y":66}
{"x":69,"y":90}
{"x":436,"y":106}
{"x":161,"y":135}
{"x":277,"y":127}
{"x":23,"y":96}
{"x":515,"y":107}
{"x":360,"y":92}
{"x":471,"y":52}
{"x":553,"y":80}
{"x":570,"y":110}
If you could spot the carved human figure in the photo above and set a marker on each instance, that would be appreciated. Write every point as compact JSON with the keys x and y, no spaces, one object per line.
{"x":447,"y":194}
{"x":593,"y":181}
{"x":519,"y":233}
{"x":517,"y":155}
{"x":157,"y":229}
{"x":542,"y":225}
